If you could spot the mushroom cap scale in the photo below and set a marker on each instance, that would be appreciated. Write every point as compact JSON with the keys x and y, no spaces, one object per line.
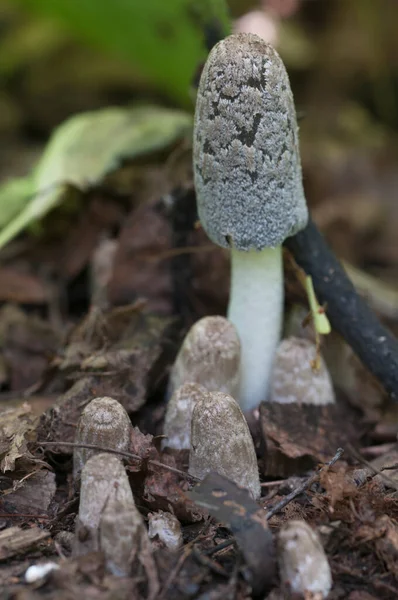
{"x":246,"y":153}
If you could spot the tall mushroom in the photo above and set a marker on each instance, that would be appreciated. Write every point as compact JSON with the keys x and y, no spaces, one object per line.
{"x":249,"y":189}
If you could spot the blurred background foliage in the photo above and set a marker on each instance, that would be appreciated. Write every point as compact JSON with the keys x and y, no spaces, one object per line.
{"x":59,"y":58}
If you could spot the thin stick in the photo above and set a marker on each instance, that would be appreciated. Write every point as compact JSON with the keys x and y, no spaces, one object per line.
{"x":304,"y":486}
{"x":154,"y":463}
{"x":21,"y":515}
{"x":387,"y":480}
{"x":219,"y":547}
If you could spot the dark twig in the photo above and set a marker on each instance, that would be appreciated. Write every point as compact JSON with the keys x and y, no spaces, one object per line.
{"x":153,"y":463}
{"x":22,"y":516}
{"x":347,"y":311}
{"x":207,"y":562}
{"x":219,"y":547}
{"x":387,"y":480}
{"x":304,"y":486}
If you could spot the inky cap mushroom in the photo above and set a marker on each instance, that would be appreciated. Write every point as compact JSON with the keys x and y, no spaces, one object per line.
{"x":165,"y":530}
{"x":177,"y":424}
{"x":295,"y":379}
{"x":221,"y":442}
{"x":210,"y":356}
{"x":105,"y":423}
{"x":303,"y":565}
{"x":108,"y":519}
{"x":249,"y":189}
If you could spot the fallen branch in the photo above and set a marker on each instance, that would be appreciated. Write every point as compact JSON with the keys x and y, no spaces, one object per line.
{"x":347,"y":311}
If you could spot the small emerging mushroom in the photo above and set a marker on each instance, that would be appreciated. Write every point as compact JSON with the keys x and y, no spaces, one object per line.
{"x":104,"y":423}
{"x":108,"y":519}
{"x":165,"y":530}
{"x":303,"y":565}
{"x":249,"y":190}
{"x":294,"y":377}
{"x":177,"y":424}
{"x":221,"y":442}
{"x":209,"y":356}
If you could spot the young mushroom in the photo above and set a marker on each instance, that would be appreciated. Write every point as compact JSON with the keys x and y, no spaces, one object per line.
{"x":164,"y":530}
{"x":249,"y":190}
{"x":221,"y":442}
{"x":108,"y":519}
{"x":104,"y":423}
{"x":177,"y":424}
{"x":303,"y":565}
{"x":209,"y":356}
{"x":296,"y":379}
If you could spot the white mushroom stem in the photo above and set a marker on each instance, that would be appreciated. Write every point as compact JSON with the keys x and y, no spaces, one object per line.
{"x":256,"y":308}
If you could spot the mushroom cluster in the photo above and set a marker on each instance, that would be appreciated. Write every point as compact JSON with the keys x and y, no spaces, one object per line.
{"x":249,"y":190}
{"x":250,"y":198}
{"x":202,"y":415}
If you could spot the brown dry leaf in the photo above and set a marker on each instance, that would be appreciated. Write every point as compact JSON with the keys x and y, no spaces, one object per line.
{"x":28,"y":344}
{"x":164,"y":258}
{"x":14,"y":540}
{"x":299,"y":435}
{"x":164,"y":490}
{"x":16,"y":426}
{"x":387,"y":545}
{"x":337,"y":484}
{"x":117,"y":354}
{"x":76,"y":251}
{"x":361,"y":595}
{"x":142,"y":445}
{"x":233,"y":506}
{"x":30,"y":496}
{"x":139,"y":269}
{"x":23,"y":288}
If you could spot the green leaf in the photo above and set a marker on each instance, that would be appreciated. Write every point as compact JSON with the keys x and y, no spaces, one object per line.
{"x":82,"y":151}
{"x":166,"y":39}
{"x":14,"y":195}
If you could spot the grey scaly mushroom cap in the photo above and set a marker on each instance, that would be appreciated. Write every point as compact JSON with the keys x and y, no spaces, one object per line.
{"x":221,"y":442}
{"x":246,"y":152}
{"x":209,"y":356}
{"x":105,"y":423}
{"x":293,"y":377}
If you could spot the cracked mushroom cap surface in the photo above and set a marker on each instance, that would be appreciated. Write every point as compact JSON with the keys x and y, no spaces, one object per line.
{"x":104,"y":422}
{"x":246,"y":160}
{"x":295,"y":379}
{"x":221,"y":442}
{"x":209,"y":356}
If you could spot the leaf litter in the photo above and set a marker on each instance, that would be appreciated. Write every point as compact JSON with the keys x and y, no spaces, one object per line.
{"x":65,"y":345}
{"x":125,"y":352}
